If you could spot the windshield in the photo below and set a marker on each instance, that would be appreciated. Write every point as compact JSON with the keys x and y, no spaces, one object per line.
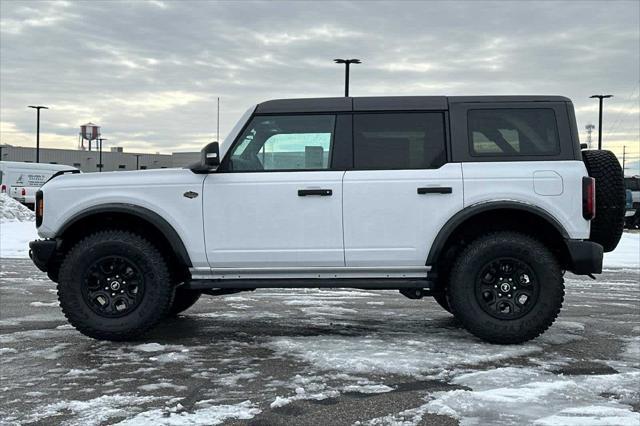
{"x":233,"y":134}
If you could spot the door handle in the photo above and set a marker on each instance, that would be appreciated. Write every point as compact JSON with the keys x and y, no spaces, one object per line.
{"x":320,"y":192}
{"x":435,"y":190}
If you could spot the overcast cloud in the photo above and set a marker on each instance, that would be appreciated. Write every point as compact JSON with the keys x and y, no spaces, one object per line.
{"x":149,"y":72}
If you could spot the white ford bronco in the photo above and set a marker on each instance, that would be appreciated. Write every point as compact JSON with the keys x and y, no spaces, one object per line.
{"x":481,"y":202}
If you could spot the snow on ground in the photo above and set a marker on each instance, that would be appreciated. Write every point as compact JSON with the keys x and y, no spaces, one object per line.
{"x":627,"y":254}
{"x":208,"y":415}
{"x":15,"y":237}
{"x":17,"y":228}
{"x":535,"y":396}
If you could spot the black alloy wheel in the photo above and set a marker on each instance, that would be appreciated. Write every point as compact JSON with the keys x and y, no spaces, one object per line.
{"x":113,"y":286}
{"x":506,"y":288}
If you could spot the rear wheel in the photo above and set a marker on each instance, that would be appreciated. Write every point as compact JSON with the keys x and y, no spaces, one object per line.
{"x":506,"y":287}
{"x":183,"y":300}
{"x":114,"y":285}
{"x":607,"y":226}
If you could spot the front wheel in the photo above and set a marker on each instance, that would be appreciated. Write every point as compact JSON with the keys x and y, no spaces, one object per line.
{"x":114,"y":285}
{"x":506,"y":287}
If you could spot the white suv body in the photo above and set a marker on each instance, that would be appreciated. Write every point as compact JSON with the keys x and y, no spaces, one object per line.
{"x":344,"y":192}
{"x":374,"y":224}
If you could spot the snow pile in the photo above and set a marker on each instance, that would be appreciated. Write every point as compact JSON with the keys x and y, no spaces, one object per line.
{"x":13,"y":211}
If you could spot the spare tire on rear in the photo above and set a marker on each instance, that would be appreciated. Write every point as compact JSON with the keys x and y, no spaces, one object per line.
{"x":606,"y":227}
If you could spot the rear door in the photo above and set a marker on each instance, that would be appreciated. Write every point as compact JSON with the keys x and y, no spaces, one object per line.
{"x":401,"y":190}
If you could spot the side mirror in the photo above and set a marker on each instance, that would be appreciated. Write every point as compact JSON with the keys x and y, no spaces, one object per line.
{"x":211,"y":155}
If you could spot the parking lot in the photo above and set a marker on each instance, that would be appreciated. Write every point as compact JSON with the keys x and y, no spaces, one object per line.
{"x":337,"y":357}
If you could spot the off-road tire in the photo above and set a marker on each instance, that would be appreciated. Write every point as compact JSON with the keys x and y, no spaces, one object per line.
{"x":183,"y":300}
{"x":607,"y":226}
{"x":466,"y":306}
{"x":441,"y":299}
{"x":154,"y":304}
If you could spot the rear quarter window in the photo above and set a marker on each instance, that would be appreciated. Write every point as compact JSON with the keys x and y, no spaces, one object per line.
{"x":512,"y":132}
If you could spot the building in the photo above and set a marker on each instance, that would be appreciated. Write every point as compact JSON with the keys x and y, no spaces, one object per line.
{"x":114,"y":160}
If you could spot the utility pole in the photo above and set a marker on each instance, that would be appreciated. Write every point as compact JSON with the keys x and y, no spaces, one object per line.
{"x":600,"y":98}
{"x":589,"y":128}
{"x":346,"y":62}
{"x":100,"y":153}
{"x":624,"y":158}
{"x":38,"y":108}
{"x":218,"y":122}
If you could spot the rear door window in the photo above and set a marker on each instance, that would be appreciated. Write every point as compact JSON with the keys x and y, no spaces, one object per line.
{"x":404,"y":140}
{"x":513,"y":132}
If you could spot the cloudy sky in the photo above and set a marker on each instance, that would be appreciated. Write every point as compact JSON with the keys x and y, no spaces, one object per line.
{"x":149,"y":72}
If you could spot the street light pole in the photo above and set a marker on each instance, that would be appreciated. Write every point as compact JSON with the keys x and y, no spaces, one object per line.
{"x":346,"y":62}
{"x":100,"y":153}
{"x":600,"y":98}
{"x":38,"y":108}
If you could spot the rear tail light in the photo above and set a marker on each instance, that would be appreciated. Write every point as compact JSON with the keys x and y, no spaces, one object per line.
{"x":588,"y":198}
{"x":39,"y":208}
{"x":24,"y":192}
{"x":3,"y":188}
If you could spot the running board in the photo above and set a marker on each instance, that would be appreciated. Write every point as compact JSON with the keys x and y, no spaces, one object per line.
{"x":360,"y":283}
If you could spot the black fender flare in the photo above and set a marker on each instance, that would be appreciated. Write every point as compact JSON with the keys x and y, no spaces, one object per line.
{"x":470,"y":211}
{"x":141,"y":212}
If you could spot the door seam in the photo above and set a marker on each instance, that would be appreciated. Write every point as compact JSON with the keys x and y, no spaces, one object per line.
{"x":344,"y":246}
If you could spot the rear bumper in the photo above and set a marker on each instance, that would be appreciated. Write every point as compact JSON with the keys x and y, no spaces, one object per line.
{"x":585,"y":257}
{"x":41,"y":252}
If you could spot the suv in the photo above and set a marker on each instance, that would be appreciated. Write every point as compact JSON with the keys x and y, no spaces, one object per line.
{"x":481,"y":202}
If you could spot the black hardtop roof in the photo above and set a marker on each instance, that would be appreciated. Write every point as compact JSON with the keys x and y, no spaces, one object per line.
{"x":387,"y":103}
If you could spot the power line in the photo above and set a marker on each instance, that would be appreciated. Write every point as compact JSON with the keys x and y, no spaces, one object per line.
{"x":619,"y":115}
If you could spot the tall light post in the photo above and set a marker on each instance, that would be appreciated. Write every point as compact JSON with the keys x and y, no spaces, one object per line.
{"x":100,"y":153}
{"x":38,"y":108}
{"x":347,"y":62}
{"x":600,"y":98}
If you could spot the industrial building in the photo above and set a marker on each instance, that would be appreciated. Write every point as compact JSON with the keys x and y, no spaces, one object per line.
{"x":116,"y":159}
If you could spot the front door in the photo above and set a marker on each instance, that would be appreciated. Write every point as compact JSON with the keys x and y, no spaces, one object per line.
{"x":401,"y":190}
{"x":275,"y":202}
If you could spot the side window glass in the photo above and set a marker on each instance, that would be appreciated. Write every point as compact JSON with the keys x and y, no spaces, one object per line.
{"x":399,"y":141}
{"x":296,"y":142}
{"x":513,"y":132}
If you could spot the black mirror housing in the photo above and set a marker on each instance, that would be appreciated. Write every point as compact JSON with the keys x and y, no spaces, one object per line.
{"x":211,"y":155}
{"x":209,"y":159}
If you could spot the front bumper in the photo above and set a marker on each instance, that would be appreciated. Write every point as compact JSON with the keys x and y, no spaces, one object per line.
{"x":42,"y":252}
{"x":585,"y":257}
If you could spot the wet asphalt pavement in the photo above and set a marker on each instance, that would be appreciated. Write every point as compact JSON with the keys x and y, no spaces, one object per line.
{"x":319,"y":357}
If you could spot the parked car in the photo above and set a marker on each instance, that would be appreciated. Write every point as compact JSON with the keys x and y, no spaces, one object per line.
{"x":632,"y":214}
{"x":22,"y":180}
{"x":482,"y":202}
